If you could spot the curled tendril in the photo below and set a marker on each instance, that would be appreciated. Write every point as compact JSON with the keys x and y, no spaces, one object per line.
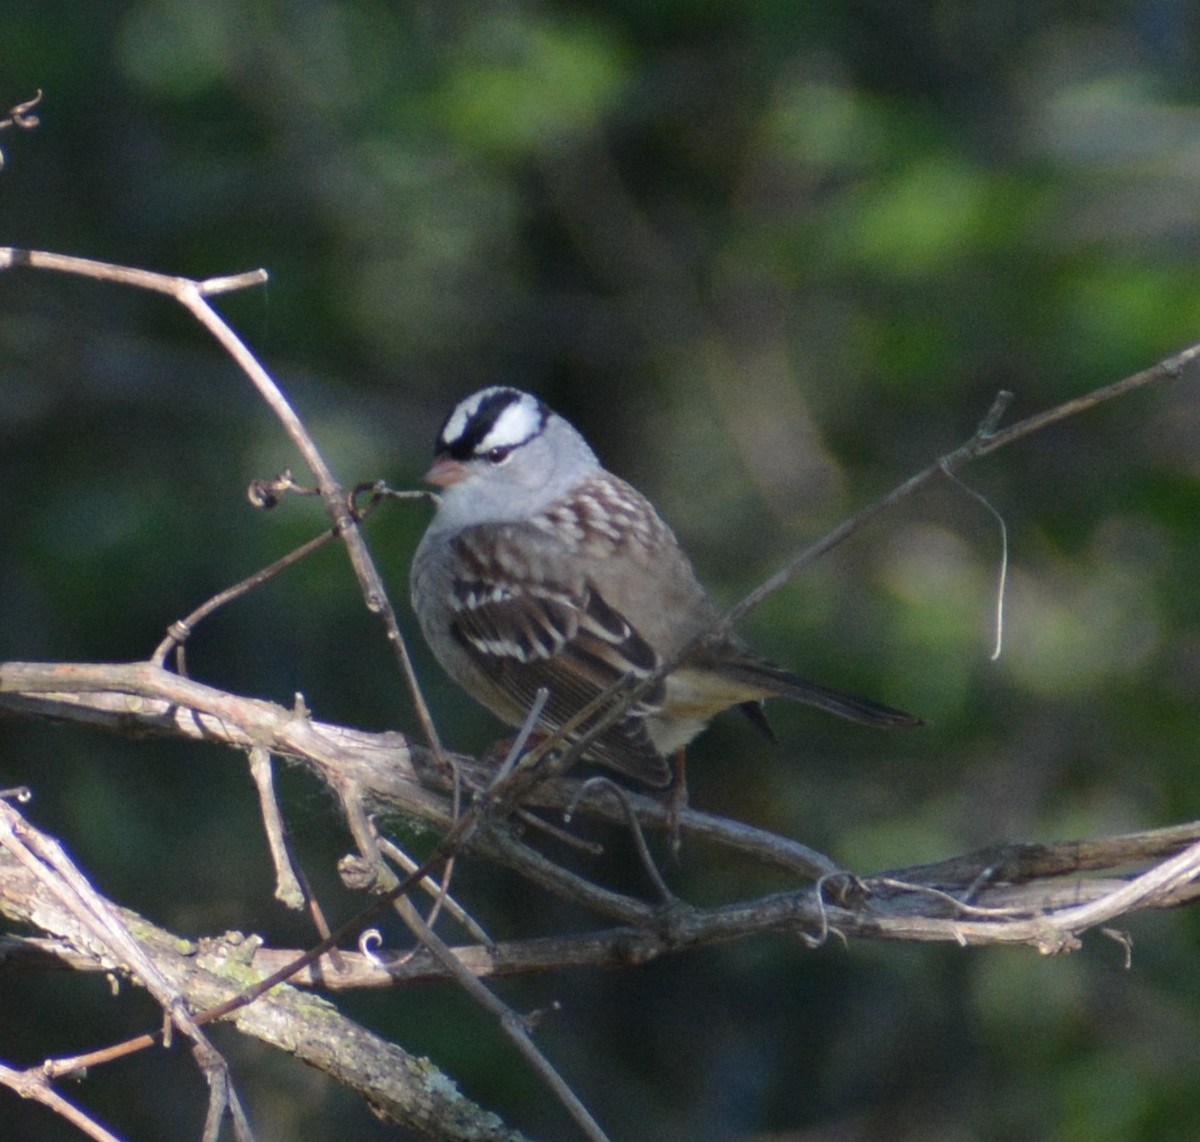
{"x":20,"y":116}
{"x":369,"y":943}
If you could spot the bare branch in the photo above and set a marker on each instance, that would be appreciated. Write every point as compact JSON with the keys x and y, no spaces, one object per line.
{"x":287,"y":884}
{"x":984,"y":442}
{"x":33,"y":1083}
{"x":108,"y":937}
{"x":193,"y":296}
{"x":1012,"y":896}
{"x":388,"y":769}
{"x":205,"y":975}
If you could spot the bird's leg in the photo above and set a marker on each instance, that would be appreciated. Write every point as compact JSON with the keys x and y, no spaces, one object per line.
{"x":677,"y":799}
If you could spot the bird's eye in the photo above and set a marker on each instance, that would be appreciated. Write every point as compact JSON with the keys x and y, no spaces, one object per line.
{"x":497,"y":455}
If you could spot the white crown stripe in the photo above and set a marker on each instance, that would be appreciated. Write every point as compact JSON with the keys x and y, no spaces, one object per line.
{"x":457,"y":423}
{"x":516,"y":424}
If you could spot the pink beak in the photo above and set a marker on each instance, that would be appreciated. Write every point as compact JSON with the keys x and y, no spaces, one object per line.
{"x":445,"y":471}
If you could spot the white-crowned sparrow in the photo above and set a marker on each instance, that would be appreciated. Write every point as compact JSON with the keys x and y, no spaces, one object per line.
{"x":540,"y":568}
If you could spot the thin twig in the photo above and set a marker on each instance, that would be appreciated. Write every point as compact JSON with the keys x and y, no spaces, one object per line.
{"x":287,"y":884}
{"x":43,"y":857}
{"x":513,"y":1026}
{"x":401,"y":1088}
{"x":193,"y":296}
{"x":432,"y":887}
{"x":33,"y":1083}
{"x":540,"y":698}
{"x":181,"y":630}
{"x":639,"y":838}
{"x":986,"y":440}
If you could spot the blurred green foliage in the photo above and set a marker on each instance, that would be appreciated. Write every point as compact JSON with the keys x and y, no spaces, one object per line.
{"x":772,"y":258}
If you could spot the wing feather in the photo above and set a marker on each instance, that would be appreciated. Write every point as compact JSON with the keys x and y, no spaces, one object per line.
{"x":557,"y":632}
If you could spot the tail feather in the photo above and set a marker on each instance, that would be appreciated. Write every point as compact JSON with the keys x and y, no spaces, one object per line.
{"x":780,"y":683}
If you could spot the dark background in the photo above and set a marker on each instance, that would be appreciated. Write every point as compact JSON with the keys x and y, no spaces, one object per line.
{"x":771,"y":258}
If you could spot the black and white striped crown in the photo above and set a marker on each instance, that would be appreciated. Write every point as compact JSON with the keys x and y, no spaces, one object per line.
{"x":491,"y":423}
